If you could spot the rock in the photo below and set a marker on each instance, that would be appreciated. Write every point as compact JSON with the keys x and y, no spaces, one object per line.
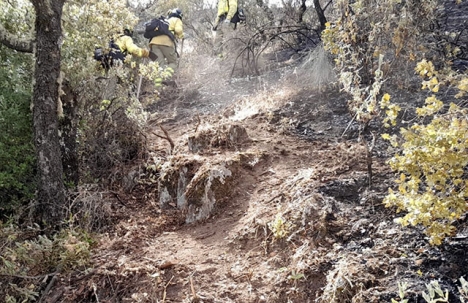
{"x":227,"y":136}
{"x":196,"y":188}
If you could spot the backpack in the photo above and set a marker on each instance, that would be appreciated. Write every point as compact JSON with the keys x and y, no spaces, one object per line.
{"x":114,"y":46}
{"x":98,"y":54}
{"x":107,"y":58}
{"x":239,"y":16}
{"x":157,"y":27}
{"x":101,"y":56}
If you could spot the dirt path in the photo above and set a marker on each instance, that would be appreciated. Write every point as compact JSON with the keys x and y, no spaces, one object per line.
{"x":229,"y":256}
{"x":298,"y":222}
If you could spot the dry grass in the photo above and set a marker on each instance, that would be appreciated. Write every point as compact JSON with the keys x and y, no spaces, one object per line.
{"x":317,"y":70}
{"x":90,"y":209}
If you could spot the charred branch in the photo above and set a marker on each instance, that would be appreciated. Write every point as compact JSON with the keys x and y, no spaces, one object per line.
{"x":320,"y":14}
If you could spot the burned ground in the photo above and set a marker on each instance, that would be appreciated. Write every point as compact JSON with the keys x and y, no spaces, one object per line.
{"x":292,"y":216}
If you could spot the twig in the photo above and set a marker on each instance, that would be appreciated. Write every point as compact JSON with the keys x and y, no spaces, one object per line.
{"x":195,"y":298}
{"x":369,"y":158}
{"x":95,"y":294}
{"x":165,"y":289}
{"x":198,"y":123}
{"x":47,"y":289}
{"x":167,"y":137}
{"x":277,"y":196}
{"x":76,"y":279}
{"x":349,"y":124}
{"x":139,"y":87}
{"x":28,"y":277}
{"x":110,"y":282}
{"x":204,"y":236}
{"x":325,"y":8}
{"x":118,"y":197}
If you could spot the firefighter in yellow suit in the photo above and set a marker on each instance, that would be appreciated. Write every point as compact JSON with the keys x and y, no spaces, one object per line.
{"x":163,"y":46}
{"x":124,"y":45}
{"x":226,"y":11}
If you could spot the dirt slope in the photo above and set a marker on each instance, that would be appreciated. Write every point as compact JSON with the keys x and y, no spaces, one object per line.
{"x":295,"y":222}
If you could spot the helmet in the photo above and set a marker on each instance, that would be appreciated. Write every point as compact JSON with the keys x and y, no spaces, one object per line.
{"x":128,"y":32}
{"x":176,"y":12}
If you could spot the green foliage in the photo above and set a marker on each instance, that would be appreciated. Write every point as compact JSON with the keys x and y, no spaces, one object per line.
{"x":17,"y":16}
{"x":66,"y":251}
{"x":22,"y":294}
{"x":16,"y":150}
{"x":87,"y":24}
{"x":435,"y":293}
{"x":279,"y":227}
{"x":17,"y":159}
{"x":111,"y":117}
{"x":402,"y":287}
{"x":153,"y":72}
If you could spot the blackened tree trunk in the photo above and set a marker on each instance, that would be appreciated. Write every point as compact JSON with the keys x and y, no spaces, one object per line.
{"x":68,"y":131}
{"x":51,"y":190}
{"x":320,"y":14}
{"x":302,"y":10}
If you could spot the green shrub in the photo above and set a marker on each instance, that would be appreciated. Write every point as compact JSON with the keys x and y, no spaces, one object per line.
{"x":36,"y":257}
{"x":16,"y":145}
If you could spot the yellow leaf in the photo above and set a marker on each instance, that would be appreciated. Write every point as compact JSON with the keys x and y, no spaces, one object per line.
{"x":386,"y":136}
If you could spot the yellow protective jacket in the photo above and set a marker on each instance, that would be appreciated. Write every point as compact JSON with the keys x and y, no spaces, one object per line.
{"x":226,"y":7}
{"x":126,"y":44}
{"x":176,"y":27}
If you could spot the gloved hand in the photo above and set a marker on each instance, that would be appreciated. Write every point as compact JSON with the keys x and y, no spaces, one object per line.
{"x":227,"y":21}
{"x":144,"y":53}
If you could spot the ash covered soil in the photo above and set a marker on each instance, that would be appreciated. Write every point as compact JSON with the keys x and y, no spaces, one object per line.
{"x":264,"y":197}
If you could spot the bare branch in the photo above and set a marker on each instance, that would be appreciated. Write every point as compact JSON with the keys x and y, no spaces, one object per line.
{"x":28,"y":277}
{"x":166,"y":137}
{"x":320,"y":14}
{"x":198,"y":123}
{"x":302,"y":10}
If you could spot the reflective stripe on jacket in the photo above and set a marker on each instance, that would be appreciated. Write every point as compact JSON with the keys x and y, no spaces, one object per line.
{"x":176,"y":27}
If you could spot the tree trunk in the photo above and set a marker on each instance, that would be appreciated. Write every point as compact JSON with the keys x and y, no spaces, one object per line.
{"x":51,"y":190}
{"x":320,"y":14}
{"x":302,"y":10}
{"x":300,"y":20}
{"x":68,"y":135}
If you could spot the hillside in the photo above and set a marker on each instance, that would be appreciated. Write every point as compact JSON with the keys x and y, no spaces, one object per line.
{"x":256,"y":168}
{"x":265,"y":197}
